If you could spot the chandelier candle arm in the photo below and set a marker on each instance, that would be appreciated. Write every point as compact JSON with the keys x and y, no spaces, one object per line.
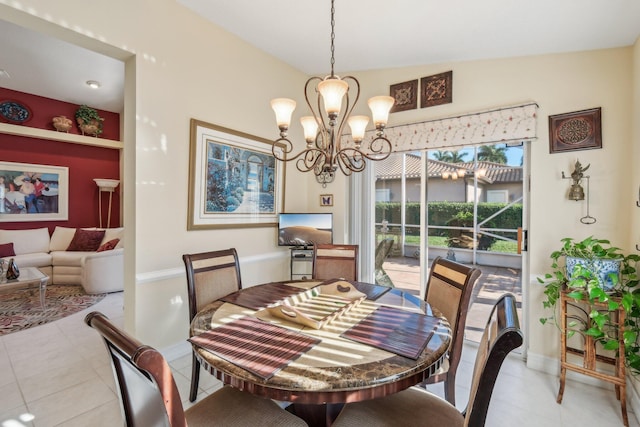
{"x":310,"y":126}
{"x":358,"y":125}
{"x":380,"y":107}
{"x":327,"y":148}
{"x":283,"y":107}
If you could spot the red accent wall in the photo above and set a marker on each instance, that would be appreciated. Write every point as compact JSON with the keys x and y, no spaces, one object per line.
{"x":84,"y":162}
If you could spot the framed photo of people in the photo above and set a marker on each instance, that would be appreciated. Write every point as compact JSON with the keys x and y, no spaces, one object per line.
{"x":30,"y":192}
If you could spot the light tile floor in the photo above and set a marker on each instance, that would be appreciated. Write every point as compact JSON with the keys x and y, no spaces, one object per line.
{"x":59,"y":375}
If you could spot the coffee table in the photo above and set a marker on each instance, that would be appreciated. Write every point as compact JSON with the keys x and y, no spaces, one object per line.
{"x":28,"y":276}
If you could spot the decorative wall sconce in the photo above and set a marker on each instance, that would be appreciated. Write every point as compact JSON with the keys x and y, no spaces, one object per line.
{"x":576,"y":192}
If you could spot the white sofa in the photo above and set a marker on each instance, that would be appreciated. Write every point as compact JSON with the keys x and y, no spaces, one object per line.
{"x":97,"y":272}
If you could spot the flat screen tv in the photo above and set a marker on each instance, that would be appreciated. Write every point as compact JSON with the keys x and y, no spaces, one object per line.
{"x":305,"y":229}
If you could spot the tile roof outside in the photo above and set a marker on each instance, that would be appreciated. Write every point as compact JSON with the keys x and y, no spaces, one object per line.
{"x":391,"y":168}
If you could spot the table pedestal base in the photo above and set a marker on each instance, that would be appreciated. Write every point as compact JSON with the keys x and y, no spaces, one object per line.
{"x":316,"y":415}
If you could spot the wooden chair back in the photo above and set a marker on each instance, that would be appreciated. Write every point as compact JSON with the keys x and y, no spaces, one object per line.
{"x":147,"y":390}
{"x":449,"y":289}
{"x":210,"y":276}
{"x":335,"y":262}
{"x":502,"y":334}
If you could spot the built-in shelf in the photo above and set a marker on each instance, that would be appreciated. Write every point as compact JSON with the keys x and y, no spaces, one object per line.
{"x":71,"y":138}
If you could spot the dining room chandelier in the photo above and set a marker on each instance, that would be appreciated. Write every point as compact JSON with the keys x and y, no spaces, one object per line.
{"x":327,"y":149}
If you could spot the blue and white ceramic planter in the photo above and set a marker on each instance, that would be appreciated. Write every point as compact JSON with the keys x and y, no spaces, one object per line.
{"x":603,"y":268}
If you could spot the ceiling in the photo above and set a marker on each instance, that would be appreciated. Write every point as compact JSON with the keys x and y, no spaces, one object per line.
{"x":369,"y":34}
{"x":49,"y":67}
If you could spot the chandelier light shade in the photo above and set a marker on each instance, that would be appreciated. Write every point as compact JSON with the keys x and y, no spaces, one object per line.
{"x":327,"y":148}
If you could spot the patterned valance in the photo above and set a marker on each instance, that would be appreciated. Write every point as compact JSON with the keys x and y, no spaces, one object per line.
{"x":516,"y":123}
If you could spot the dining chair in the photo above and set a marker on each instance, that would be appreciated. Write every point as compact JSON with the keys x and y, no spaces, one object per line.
{"x":449,"y":288}
{"x":417,"y":406}
{"x":335,"y":261}
{"x":149,"y":395}
{"x":210,"y":276}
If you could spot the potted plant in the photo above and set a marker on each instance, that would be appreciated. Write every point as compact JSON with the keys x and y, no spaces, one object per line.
{"x":89,"y":122}
{"x":585,"y":270}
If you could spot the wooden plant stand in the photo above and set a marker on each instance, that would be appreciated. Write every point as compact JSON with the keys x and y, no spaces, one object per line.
{"x":578,"y":310}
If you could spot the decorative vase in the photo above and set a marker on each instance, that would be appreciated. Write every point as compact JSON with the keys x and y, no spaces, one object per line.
{"x":12,"y":270}
{"x":94,"y":127}
{"x":62,"y":123}
{"x":602,"y":268}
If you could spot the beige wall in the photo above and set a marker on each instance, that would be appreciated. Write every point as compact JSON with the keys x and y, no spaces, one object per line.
{"x":215,"y":77}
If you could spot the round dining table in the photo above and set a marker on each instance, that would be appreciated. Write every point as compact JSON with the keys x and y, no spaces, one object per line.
{"x":333,"y":369}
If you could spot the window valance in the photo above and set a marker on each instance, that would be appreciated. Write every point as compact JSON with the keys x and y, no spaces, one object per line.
{"x":507,"y":124}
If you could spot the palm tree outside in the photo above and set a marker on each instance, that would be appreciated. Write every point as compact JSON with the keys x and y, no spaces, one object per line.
{"x":442,"y":156}
{"x":457,"y":157}
{"x":492,"y":153}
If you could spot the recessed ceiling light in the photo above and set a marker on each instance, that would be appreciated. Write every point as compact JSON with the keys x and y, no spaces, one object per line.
{"x":4,"y":73}
{"x":93,"y":84}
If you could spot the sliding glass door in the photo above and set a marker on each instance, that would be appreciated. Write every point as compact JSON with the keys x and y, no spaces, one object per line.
{"x":473,"y":214}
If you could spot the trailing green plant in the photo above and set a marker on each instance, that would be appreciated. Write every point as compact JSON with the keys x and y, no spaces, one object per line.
{"x":585,"y":284}
{"x":85,"y":115}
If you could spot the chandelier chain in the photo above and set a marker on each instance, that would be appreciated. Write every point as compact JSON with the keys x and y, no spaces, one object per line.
{"x":333,"y":36}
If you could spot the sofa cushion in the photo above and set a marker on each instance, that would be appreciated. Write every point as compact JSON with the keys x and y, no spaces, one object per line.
{"x":86,"y":240}
{"x":6,"y":249}
{"x":37,"y":259}
{"x":68,"y":258}
{"x":27,"y":241}
{"x":67,"y":275}
{"x":108,"y":246}
{"x":113,"y":233}
{"x":61,"y":238}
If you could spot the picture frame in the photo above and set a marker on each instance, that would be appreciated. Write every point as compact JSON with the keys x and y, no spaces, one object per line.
{"x":405,"y":94}
{"x":578,"y":130}
{"x":234,"y":179}
{"x":326,"y":200}
{"x":436,"y":89}
{"x":31,"y":192}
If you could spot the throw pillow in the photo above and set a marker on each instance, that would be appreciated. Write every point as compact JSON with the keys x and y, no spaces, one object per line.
{"x":86,"y":240}
{"x":6,"y":250}
{"x":108,"y":246}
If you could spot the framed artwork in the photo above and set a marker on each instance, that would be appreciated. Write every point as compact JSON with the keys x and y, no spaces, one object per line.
{"x":436,"y":89}
{"x":33,"y":192}
{"x":579,"y":130}
{"x":326,"y":200}
{"x":234,"y":179}
{"x":405,"y":94}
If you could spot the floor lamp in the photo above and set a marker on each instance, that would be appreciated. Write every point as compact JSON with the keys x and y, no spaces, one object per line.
{"x":107,"y":186}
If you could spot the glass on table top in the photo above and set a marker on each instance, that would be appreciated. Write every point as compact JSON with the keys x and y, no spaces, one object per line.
{"x":27,"y":274}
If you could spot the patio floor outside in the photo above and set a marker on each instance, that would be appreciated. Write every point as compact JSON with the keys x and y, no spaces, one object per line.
{"x":494,"y":281}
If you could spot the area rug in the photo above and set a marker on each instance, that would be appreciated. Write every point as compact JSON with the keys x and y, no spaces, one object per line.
{"x":20,"y":309}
